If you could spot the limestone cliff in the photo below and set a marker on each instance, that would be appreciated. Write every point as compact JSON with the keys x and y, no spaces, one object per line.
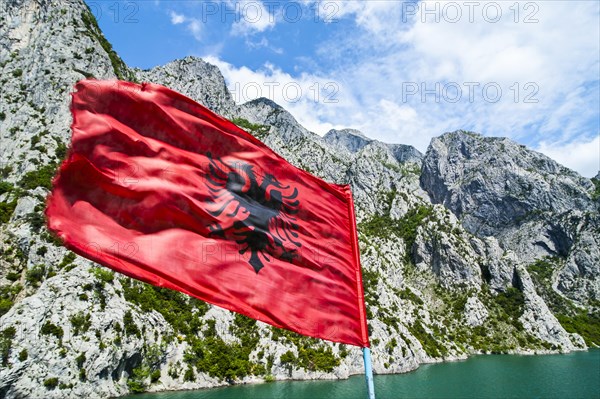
{"x":478,"y":246}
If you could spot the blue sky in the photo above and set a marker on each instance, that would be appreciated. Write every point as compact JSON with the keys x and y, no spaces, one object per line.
{"x":401,"y":72}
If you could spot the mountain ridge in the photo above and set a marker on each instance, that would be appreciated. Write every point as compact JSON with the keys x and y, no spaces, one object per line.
{"x":437,"y":286}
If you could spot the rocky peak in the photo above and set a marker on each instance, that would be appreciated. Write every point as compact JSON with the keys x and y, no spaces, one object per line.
{"x":406,"y":153}
{"x":492,"y":183}
{"x":354,"y":140}
{"x":266,"y":112}
{"x":69,"y":329}
{"x":349,"y":139}
{"x":196,"y":79}
{"x":262,"y":101}
{"x":536,"y":207}
{"x":45,"y":48}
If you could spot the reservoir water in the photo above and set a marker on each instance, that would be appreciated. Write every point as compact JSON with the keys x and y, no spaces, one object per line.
{"x":574,"y":375}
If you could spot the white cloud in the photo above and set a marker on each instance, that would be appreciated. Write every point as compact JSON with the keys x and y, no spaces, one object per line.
{"x":580,"y":155}
{"x":547,"y":73}
{"x":177,"y":19}
{"x":193,"y":25}
{"x":252,"y":17}
{"x":393,"y":122}
{"x":263,"y":43}
{"x":376,"y":16}
{"x":547,"y":70}
{"x":309,"y":98}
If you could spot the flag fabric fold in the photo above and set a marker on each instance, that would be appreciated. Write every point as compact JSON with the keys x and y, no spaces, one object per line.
{"x":161,"y":189}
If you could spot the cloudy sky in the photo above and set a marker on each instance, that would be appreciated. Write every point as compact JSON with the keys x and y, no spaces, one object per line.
{"x":401,"y":72}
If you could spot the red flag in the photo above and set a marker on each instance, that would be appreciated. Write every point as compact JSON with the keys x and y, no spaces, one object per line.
{"x":161,"y":189}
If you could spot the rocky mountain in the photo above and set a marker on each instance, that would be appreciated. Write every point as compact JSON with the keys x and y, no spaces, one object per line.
{"x":353,"y":140}
{"x":533,"y":205}
{"x":479,"y":246}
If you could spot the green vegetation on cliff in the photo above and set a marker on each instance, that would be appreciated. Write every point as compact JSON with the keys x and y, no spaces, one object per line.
{"x":258,"y":131}
{"x":573,"y":319}
{"x":93,"y":30}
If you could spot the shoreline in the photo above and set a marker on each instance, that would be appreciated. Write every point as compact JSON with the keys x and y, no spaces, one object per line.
{"x":256,"y":380}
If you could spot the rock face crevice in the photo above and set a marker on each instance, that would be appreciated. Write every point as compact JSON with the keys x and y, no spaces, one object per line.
{"x":533,"y":205}
{"x":494,"y":183}
{"x":480,"y":245}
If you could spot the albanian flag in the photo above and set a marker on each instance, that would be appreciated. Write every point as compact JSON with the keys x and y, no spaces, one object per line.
{"x":161,"y":189}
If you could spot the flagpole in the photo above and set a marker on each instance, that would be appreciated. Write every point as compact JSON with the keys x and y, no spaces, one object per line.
{"x":369,"y":372}
{"x":361,"y":296}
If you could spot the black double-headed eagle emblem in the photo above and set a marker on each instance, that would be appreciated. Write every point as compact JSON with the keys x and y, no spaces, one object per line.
{"x":257,"y":212}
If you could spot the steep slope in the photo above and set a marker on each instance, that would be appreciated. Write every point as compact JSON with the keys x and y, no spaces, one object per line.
{"x":388,"y":195}
{"x":61,"y":320}
{"x":536,"y":207}
{"x":491,"y":183}
{"x":435,"y":290}
{"x":347,"y":139}
{"x":205,"y":81}
{"x":353,"y":140}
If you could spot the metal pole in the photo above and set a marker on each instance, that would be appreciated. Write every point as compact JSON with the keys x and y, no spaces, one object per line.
{"x":369,"y":372}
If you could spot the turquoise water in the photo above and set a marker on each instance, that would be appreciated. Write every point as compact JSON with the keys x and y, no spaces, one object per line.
{"x":574,"y":375}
